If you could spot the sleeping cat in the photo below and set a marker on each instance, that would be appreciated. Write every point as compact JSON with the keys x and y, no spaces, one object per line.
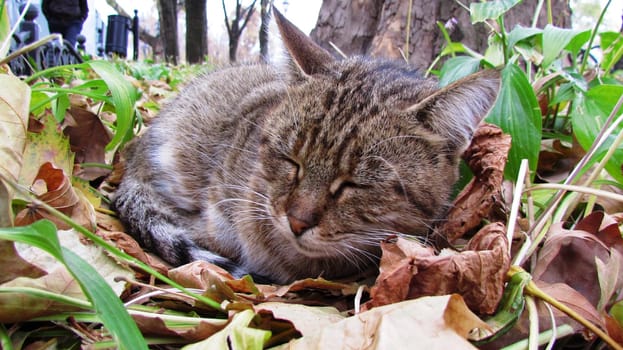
{"x":299,"y":170}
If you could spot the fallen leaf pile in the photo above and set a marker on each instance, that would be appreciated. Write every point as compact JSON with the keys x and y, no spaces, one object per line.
{"x":433,"y":295}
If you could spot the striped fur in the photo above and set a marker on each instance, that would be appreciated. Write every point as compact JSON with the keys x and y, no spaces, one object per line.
{"x":299,"y":171}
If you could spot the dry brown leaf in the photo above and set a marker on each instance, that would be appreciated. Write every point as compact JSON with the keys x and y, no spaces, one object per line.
{"x":56,"y":190}
{"x":155,"y":326}
{"x":88,"y":138}
{"x":12,"y":265}
{"x":569,"y":256}
{"x":193,"y":274}
{"x":440,"y":322}
{"x":477,"y":273}
{"x":486,"y":157}
{"x":130,"y":246}
{"x":306,"y":319}
{"x":576,"y":301}
{"x":556,"y":160}
{"x":614,"y":329}
{"x":17,"y":307}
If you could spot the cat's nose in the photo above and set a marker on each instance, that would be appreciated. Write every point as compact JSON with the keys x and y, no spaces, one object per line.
{"x":298,"y":226}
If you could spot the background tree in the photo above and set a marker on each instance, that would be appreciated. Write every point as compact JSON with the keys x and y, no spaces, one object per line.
{"x":379,"y":27}
{"x":237,"y":25}
{"x":196,"y":31}
{"x":167,"y":10}
{"x":263,"y":35}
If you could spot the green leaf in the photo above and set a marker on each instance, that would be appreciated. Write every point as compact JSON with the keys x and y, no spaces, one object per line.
{"x":520,"y":33}
{"x":124,"y":97}
{"x":578,"y":41}
{"x":590,"y":112}
{"x":612,"y":45}
{"x":42,"y":234}
{"x":5,"y":28}
{"x":481,"y":11}
{"x":517,"y":112}
{"x":237,"y":335}
{"x":457,"y":68}
{"x":617,"y":312}
{"x":554,"y":41}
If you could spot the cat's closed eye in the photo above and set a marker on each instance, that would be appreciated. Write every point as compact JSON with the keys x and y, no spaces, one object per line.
{"x":341,"y":188}
{"x":294,"y":170}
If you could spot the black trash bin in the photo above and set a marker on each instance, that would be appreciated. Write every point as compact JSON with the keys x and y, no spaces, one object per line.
{"x":117,"y":35}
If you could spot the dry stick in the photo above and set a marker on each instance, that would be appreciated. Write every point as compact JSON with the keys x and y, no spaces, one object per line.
{"x":547,"y":213}
{"x":517,"y":192}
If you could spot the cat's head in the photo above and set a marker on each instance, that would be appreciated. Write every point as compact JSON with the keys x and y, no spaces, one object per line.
{"x":362,"y":149}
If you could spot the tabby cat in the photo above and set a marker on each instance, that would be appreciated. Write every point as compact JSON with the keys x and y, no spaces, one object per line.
{"x":300,"y":169}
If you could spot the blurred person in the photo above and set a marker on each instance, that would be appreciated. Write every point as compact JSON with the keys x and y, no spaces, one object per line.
{"x":65,"y":17}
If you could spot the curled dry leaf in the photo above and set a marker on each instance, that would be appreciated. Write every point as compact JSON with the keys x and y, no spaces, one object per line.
{"x":56,"y":191}
{"x":88,"y":138}
{"x":486,"y":157}
{"x":409,"y":271}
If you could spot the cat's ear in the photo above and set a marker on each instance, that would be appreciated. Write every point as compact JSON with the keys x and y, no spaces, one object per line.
{"x":455,"y":110}
{"x":307,"y":56}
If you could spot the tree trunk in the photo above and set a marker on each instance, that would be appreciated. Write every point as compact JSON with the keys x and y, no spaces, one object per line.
{"x":263,"y":35}
{"x":196,"y":31}
{"x":167,"y":10}
{"x":378,"y":27}
{"x":237,"y":25}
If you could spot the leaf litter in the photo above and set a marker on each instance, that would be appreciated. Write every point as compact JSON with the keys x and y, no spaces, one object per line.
{"x":324,"y":312}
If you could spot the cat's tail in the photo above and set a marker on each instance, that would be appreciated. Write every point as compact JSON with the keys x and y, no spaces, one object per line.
{"x":160,"y":227}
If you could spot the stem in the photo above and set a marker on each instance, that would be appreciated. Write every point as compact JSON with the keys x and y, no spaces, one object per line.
{"x":593,"y":35}
{"x":24,"y":49}
{"x":408,"y":30}
{"x":550,"y":16}
{"x":608,"y":128}
{"x":533,"y":317}
{"x":532,"y":289}
{"x":5,"y":339}
{"x":44,"y":294}
{"x":560,"y":332}
{"x":582,"y":189}
{"x":7,"y":41}
{"x":535,"y":291}
{"x":537,"y":11}
{"x":517,"y":192}
{"x":110,"y":248}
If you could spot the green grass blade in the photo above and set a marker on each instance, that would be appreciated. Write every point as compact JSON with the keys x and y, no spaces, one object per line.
{"x":42,"y":234}
{"x":124,"y":97}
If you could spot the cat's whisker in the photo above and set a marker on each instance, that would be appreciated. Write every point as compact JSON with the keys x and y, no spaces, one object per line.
{"x":373,"y":142}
